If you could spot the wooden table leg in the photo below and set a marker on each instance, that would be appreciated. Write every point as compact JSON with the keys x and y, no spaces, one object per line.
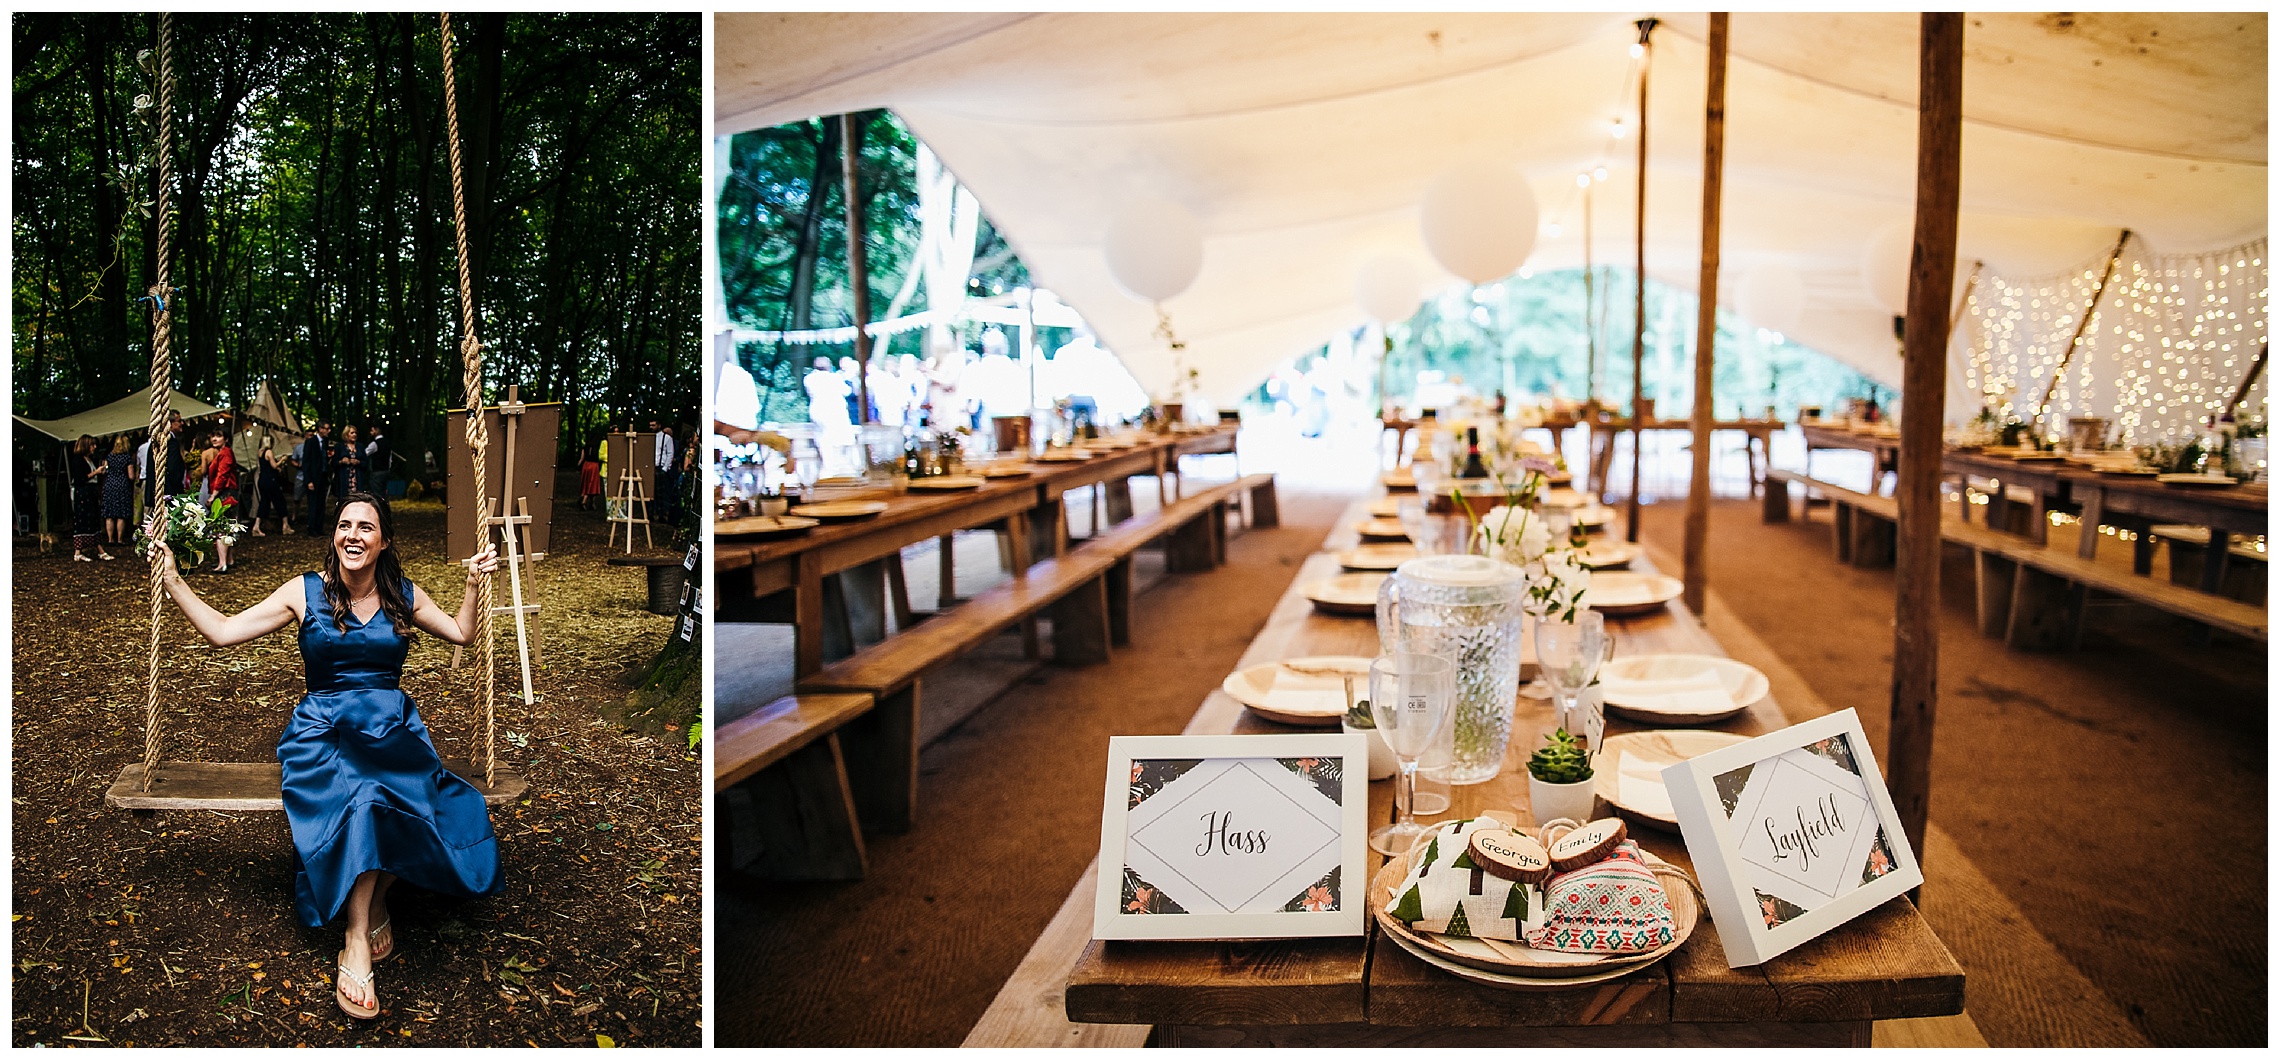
{"x":947,"y":595}
{"x":2038,"y":515}
{"x":2093,"y":513}
{"x":2214,"y":560}
{"x":807,"y":616}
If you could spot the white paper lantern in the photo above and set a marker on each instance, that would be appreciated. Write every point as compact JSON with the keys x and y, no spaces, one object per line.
{"x":1479,"y":220}
{"x":1154,"y":247}
{"x":1884,"y":266}
{"x":1388,"y":288}
{"x":1772,"y":296}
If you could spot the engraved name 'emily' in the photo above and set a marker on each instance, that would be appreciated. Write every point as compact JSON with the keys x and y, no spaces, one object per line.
{"x":1221,"y":837}
{"x":1802,"y":840}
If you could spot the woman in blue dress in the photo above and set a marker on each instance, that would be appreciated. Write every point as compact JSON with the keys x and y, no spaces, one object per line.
{"x":366,"y":797}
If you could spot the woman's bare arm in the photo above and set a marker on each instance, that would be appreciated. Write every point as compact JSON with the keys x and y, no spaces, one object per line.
{"x":270,"y":615}
{"x":457,"y":629}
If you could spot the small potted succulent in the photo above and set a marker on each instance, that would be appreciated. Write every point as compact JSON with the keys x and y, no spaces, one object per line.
{"x":1559,"y":779}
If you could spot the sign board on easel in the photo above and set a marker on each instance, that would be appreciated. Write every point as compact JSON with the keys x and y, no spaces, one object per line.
{"x":632,"y":460}
{"x":522,"y":446}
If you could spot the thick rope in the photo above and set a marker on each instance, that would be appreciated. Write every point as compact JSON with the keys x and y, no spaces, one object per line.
{"x":161,"y":376}
{"x":478,"y":433}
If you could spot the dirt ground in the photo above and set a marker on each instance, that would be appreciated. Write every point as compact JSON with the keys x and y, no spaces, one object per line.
{"x":177,"y":927}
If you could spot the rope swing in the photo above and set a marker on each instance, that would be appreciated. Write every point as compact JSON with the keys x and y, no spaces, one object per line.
{"x":161,"y":374}
{"x":478,"y":433}
{"x":255,"y":785}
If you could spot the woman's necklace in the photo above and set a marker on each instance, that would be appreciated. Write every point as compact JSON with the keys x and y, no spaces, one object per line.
{"x":357,"y":602}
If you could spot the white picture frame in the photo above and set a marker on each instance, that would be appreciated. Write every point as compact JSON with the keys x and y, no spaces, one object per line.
{"x":1728,"y":801}
{"x":1319,"y":820}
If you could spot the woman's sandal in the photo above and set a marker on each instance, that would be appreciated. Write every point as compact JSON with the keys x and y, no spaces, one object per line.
{"x":340,"y":990}
{"x":372,"y":938}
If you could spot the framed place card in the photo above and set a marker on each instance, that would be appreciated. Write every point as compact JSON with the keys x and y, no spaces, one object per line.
{"x":1792,"y":834}
{"x":1233,"y":837}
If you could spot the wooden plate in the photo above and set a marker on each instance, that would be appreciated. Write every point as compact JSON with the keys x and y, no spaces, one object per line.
{"x":2035,"y":456}
{"x":1385,"y":508}
{"x":764,"y":526}
{"x":1006,"y":471}
{"x":1314,"y":674}
{"x":1631,"y":593}
{"x":1398,"y":481}
{"x":1382,"y":530}
{"x":1346,"y":594}
{"x":1594,"y":518}
{"x":840,"y":510}
{"x":1377,"y":557}
{"x":1629,"y":686}
{"x":2134,"y":472}
{"x":839,"y":482}
{"x":1609,"y":555}
{"x":1514,"y":966}
{"x":947,"y":482}
{"x":1064,"y":456}
{"x":1658,"y":749}
{"x":2196,"y":480}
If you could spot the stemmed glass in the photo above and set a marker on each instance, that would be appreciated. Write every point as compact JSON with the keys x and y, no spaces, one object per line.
{"x":1568,"y":655}
{"x":1410,"y":694}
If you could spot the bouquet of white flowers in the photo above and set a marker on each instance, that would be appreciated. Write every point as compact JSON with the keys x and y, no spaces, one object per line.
{"x":189,"y":527}
{"x":1557,"y":577}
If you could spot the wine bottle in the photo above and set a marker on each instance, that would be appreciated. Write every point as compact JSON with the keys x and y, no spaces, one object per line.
{"x":1474,"y":467}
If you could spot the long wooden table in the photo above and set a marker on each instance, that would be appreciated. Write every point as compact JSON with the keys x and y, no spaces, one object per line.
{"x":1368,"y":991}
{"x":1029,"y":508}
{"x":2133,"y":502}
{"x":1604,"y":433}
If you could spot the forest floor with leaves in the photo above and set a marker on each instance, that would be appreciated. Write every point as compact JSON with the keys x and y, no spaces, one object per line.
{"x":177,"y":927}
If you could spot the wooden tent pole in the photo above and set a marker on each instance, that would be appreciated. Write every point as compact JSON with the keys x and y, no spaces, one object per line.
{"x":858,"y":257}
{"x":2248,"y":382}
{"x":1639,"y":299}
{"x":1931,"y":275}
{"x":1697,"y":580}
{"x":2082,"y":327}
{"x":1590,"y":333}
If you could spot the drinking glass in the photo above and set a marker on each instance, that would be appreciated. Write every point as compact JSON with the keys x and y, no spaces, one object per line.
{"x":1568,"y":654}
{"x":1410,"y":693}
{"x":1435,"y":535}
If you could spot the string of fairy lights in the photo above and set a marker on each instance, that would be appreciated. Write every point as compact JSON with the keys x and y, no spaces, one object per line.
{"x":2168,"y":343}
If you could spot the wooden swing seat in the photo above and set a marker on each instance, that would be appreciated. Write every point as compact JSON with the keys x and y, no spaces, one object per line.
{"x":253,"y":786}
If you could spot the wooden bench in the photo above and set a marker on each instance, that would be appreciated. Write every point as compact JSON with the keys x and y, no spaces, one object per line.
{"x":1087,"y":593}
{"x":788,"y":806}
{"x":1258,"y":493}
{"x":2050,"y":597}
{"x":2033,"y":597}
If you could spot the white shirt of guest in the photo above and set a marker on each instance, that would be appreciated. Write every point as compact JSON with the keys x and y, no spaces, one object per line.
{"x":664,"y":451}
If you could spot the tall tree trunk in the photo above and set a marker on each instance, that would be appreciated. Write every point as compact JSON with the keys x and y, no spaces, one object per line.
{"x":808,"y":249}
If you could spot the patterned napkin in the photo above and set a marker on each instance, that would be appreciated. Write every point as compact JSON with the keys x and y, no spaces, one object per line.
{"x":1444,"y":893}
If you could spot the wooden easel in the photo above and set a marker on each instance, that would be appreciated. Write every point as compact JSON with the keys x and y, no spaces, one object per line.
{"x":515,"y":533}
{"x":630,"y":496}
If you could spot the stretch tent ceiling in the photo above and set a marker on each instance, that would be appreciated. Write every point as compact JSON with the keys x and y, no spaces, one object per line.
{"x":1303,"y":144}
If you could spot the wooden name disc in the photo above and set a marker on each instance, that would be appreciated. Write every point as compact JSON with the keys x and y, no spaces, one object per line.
{"x":1511,"y":856}
{"x":1587,"y":845}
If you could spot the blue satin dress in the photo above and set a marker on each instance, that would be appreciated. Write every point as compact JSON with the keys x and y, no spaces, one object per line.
{"x":363,"y":787}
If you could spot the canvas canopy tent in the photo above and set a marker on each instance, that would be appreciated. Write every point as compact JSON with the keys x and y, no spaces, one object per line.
{"x":130,"y":413}
{"x":1303,"y":144}
{"x":269,"y":407}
